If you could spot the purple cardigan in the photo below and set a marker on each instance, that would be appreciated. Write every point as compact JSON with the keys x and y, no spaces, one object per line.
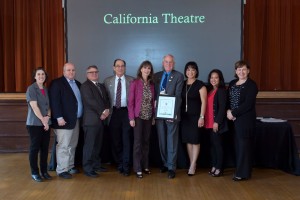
{"x":136,"y":98}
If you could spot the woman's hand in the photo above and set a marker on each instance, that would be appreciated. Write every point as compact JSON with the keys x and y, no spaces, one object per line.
{"x":153,"y":121}
{"x":230,"y":116}
{"x":215,"y":127}
{"x":132,"y":123}
{"x":201,"y":122}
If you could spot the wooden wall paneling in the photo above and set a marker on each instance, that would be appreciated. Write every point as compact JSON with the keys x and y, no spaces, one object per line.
{"x":13,"y":112}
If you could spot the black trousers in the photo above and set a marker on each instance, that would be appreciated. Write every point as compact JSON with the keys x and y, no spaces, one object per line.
{"x":39,"y":142}
{"x":243,"y":138}
{"x":217,"y":154}
{"x":93,"y":137}
{"x":141,"y":141}
{"x":121,"y":136}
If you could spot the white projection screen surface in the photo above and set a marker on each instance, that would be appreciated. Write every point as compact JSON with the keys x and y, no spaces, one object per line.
{"x":205,"y":31}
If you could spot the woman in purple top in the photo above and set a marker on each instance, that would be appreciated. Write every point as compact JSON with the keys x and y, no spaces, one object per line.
{"x":141,"y":116}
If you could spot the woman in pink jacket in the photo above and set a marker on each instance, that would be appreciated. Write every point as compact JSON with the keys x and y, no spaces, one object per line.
{"x":141,"y":116}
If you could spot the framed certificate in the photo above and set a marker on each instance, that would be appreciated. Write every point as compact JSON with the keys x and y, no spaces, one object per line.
{"x":166,"y":107}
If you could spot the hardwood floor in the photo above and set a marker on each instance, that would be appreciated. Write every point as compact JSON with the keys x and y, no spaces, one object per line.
{"x":16,"y":183}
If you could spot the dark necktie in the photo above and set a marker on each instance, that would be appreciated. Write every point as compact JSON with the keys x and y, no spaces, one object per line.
{"x":99,"y":88}
{"x":118,"y":95}
{"x":164,"y":83}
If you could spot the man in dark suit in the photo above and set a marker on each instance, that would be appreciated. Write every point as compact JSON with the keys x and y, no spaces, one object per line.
{"x":66,"y":108}
{"x":96,"y":109}
{"x":118,"y":88}
{"x":169,"y":82}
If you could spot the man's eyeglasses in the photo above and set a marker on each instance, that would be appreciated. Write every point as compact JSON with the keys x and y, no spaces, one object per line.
{"x":94,"y":72}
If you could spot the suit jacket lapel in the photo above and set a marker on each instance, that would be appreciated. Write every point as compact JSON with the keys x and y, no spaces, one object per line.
{"x":67,"y":85}
{"x":112,"y":90}
{"x":127,"y":86}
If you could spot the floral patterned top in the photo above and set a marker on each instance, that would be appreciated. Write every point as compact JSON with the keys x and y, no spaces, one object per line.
{"x":146,"y":107}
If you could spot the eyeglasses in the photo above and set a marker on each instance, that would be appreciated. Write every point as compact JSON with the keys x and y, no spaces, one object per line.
{"x":94,"y":72}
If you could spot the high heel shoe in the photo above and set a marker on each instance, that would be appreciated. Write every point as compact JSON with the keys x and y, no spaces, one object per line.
{"x":139,"y":175}
{"x":212,"y":171}
{"x":217,"y":174}
{"x":147,"y":171}
{"x":192,"y":171}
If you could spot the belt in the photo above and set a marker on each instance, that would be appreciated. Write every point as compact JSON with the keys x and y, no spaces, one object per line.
{"x":121,"y":108}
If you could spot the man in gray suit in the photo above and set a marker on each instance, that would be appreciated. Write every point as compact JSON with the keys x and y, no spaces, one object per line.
{"x":96,"y":110}
{"x":169,"y":82}
{"x":117,"y":87}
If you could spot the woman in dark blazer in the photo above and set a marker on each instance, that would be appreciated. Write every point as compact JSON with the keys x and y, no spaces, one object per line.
{"x":141,"y":116}
{"x":242,"y":99}
{"x":215,"y":119}
{"x":37,"y":124}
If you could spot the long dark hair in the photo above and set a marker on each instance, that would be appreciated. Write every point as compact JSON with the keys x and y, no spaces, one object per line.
{"x":221,"y":79}
{"x":145,"y":63}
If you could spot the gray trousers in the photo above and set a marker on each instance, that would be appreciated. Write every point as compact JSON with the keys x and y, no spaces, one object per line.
{"x":168,"y":142}
{"x":67,"y":140}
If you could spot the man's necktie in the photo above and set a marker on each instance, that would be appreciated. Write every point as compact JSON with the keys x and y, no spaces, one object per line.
{"x":99,"y":88}
{"x":118,"y":95}
{"x":164,"y":83}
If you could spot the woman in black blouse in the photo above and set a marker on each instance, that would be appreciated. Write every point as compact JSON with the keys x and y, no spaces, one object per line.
{"x":242,"y":98}
{"x":215,"y":119}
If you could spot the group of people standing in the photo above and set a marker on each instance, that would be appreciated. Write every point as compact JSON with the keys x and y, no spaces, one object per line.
{"x":128,"y":105}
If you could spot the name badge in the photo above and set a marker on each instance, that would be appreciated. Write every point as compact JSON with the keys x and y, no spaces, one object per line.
{"x":163,"y":91}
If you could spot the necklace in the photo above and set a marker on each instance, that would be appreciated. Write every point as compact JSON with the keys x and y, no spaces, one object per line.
{"x":186,"y":93}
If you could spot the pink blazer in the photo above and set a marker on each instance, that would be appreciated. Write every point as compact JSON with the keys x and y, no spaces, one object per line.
{"x":136,"y":98}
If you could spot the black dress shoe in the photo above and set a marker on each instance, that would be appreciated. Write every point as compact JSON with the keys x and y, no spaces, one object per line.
{"x":147,"y":171}
{"x":126,"y":173}
{"x":121,"y":170}
{"x":65,"y":175}
{"x":73,"y":171}
{"x":163,"y":169}
{"x":171,"y":174}
{"x":101,"y":169}
{"x":36,"y":177}
{"x":92,"y":174}
{"x":236,"y":178}
{"x":46,"y":176}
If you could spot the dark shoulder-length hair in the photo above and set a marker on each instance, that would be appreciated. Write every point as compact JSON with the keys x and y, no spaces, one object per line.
{"x":34,"y":73}
{"x":145,"y":63}
{"x":221,"y":79}
{"x":192,"y":65}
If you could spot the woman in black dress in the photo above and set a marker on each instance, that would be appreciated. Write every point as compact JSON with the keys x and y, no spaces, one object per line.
{"x":193,"y":106}
{"x":242,"y":98}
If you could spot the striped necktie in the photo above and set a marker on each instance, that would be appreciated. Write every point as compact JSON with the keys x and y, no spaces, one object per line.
{"x":118,"y":95}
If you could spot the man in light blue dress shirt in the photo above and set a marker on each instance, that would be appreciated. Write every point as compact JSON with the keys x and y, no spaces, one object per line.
{"x":66,"y":106}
